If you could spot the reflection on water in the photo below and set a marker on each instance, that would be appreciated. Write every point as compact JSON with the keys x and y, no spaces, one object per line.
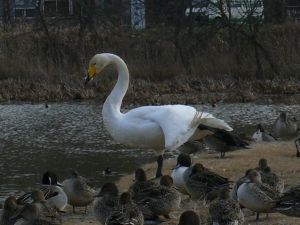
{"x":34,"y":139}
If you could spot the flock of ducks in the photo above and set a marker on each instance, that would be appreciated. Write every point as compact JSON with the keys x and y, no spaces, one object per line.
{"x":160,"y":128}
{"x":147,"y":201}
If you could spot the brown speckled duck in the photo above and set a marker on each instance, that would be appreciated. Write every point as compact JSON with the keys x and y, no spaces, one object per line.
{"x":205,"y":184}
{"x":257,"y":196}
{"x":224,"y":210}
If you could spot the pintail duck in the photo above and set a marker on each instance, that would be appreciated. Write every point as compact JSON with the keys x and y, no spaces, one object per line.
{"x":261,"y":134}
{"x":224,"y":210}
{"x":205,"y":184}
{"x":262,"y":163}
{"x":126,"y":212}
{"x":51,"y":189}
{"x":272,"y":179}
{"x":107,"y":200}
{"x":160,"y":200}
{"x":107,"y":171}
{"x":288,"y":203}
{"x":238,"y":183}
{"x":284,"y":127}
{"x":189,"y":218}
{"x":79,"y":190}
{"x":140,"y":183}
{"x":46,"y":208}
{"x":222,"y":141}
{"x":31,"y":215}
{"x":192,"y":147}
{"x":10,"y":209}
{"x":257,"y":196}
{"x":297,"y":144}
{"x":181,"y":171}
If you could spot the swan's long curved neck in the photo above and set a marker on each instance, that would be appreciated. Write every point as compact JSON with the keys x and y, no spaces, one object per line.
{"x":113,"y":102}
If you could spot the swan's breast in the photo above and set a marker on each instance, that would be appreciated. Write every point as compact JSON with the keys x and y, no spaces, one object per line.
{"x":136,"y":132}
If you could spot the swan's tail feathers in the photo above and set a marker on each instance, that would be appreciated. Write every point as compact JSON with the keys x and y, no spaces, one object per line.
{"x":216,"y":123}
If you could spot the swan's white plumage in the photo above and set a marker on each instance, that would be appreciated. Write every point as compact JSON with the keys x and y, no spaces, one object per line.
{"x":149,"y":127}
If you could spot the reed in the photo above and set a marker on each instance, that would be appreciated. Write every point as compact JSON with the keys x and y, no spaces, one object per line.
{"x":35,"y":67}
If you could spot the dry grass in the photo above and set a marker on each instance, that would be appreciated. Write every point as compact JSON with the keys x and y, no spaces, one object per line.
{"x":33,"y":70}
{"x":281,"y":157}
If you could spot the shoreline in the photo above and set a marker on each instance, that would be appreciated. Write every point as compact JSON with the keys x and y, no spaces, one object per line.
{"x":232,"y":166}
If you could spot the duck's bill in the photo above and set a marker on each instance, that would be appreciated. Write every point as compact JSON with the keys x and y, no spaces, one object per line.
{"x":18,"y":216}
{"x":97,"y":195}
{"x":176,"y":167}
{"x":87,"y":79}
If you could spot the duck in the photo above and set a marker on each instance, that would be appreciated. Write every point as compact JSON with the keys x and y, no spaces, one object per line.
{"x":10,"y":209}
{"x":262,"y":163}
{"x":205,"y":184}
{"x":51,"y":189}
{"x":257,"y":196}
{"x":238,"y":183}
{"x":148,"y":127}
{"x":126,"y":212}
{"x":46,"y":208}
{"x":140,"y":183}
{"x":288,"y":203}
{"x":224,"y":210}
{"x":106,"y":200}
{"x":79,"y":190}
{"x":160,"y":200}
{"x":261,"y":135}
{"x":107,"y":171}
{"x":284,"y":127}
{"x":181,"y":172}
{"x":31,"y":215}
{"x":297,"y":144}
{"x":189,"y":217}
{"x":272,"y":179}
{"x":222,"y":141}
{"x":192,"y":147}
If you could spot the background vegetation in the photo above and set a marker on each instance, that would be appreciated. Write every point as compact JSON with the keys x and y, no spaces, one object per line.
{"x":47,"y":60}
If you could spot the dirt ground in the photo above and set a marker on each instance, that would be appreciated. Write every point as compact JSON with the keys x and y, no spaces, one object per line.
{"x":281,"y":157}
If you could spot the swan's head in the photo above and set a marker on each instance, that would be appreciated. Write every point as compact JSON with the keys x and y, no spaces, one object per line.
{"x":97,"y":63}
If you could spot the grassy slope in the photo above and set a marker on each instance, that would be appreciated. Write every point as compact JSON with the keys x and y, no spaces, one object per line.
{"x":281,"y":157}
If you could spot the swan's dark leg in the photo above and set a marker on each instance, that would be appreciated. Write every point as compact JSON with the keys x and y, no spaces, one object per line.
{"x":257,"y":216}
{"x":222,"y":154}
{"x":160,"y":162}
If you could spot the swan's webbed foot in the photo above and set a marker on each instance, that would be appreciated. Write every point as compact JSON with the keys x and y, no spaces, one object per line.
{"x":160,"y":162}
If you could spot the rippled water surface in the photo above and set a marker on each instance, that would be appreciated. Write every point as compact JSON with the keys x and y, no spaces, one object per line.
{"x":34,"y":139}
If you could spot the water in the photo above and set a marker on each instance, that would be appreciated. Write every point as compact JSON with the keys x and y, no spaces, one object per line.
{"x":34,"y":139}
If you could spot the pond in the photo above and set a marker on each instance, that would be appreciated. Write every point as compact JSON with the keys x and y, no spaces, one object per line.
{"x":35,"y":139}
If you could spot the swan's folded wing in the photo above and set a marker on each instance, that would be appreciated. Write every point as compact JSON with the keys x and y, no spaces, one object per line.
{"x":216,"y":123}
{"x":179,"y":122}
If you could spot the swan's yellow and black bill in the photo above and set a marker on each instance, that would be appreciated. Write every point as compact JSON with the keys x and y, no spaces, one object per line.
{"x":91,"y":73}
{"x":87,"y":79}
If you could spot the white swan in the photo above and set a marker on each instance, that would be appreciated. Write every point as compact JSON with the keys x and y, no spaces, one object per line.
{"x":148,"y":127}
